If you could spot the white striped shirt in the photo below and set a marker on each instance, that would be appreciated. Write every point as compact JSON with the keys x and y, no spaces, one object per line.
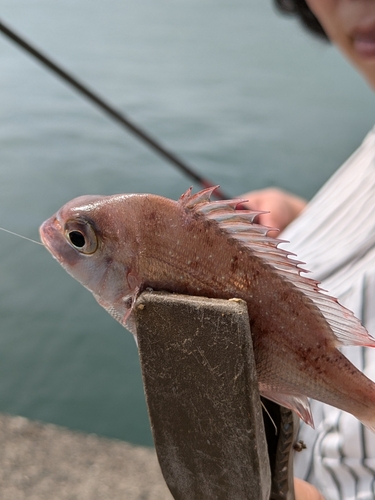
{"x":335,"y":236}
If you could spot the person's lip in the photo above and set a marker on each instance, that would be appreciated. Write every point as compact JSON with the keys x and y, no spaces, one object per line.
{"x":364,"y":41}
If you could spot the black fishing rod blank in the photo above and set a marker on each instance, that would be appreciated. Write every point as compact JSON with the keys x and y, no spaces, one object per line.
{"x":110,"y":110}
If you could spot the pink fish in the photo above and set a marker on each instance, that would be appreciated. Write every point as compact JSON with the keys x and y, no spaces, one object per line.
{"x":117,"y":246}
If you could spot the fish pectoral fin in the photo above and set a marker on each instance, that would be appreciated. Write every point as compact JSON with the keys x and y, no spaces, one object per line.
{"x":295,"y":402}
{"x":132,"y":299}
{"x":134,"y":286}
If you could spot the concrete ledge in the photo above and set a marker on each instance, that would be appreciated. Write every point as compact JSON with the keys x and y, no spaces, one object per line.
{"x":43,"y":462}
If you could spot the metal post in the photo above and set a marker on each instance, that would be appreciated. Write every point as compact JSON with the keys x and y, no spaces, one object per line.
{"x":203,"y":400}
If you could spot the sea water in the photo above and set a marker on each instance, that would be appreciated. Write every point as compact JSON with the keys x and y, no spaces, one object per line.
{"x":240,"y":92}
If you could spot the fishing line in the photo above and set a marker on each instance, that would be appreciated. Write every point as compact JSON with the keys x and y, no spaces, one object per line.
{"x":269,"y":415}
{"x":110,"y":110}
{"x":20,"y":236}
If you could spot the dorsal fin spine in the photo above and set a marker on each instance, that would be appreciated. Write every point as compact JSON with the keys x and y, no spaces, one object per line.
{"x":345,"y":326}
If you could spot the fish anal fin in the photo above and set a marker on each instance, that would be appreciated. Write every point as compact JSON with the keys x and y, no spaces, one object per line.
{"x":295,"y":402}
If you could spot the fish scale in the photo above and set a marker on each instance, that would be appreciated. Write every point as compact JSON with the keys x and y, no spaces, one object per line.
{"x":195,"y":246}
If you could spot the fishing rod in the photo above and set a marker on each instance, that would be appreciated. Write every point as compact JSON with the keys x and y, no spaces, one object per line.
{"x":109,"y":110}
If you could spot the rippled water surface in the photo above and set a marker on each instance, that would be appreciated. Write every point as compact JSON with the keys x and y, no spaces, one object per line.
{"x":234,"y":88}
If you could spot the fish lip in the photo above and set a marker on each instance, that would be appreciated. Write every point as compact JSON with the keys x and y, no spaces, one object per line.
{"x":47,"y":232}
{"x":49,"y":226}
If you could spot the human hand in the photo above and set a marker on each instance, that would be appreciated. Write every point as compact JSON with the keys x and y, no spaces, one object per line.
{"x":283,"y":207}
{"x":306,"y":491}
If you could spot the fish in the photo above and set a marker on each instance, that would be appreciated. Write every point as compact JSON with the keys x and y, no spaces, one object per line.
{"x":117,"y":246}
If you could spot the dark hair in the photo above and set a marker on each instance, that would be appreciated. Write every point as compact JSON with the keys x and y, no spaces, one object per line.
{"x":301,"y":10}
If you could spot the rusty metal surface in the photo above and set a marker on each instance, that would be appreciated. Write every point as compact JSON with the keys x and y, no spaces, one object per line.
{"x":281,"y":445}
{"x":282,"y":479}
{"x":202,"y":395}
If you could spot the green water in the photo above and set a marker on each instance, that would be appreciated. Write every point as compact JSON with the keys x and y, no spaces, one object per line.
{"x":238,"y":91}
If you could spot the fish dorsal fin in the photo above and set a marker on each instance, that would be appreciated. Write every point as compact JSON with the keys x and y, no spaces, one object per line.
{"x":190,"y":201}
{"x":239,"y":225}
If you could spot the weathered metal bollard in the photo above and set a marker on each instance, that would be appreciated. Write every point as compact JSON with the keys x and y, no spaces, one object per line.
{"x":204,"y":406}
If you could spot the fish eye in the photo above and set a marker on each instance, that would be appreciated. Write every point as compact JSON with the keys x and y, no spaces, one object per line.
{"x":77,"y":239}
{"x":81,"y":236}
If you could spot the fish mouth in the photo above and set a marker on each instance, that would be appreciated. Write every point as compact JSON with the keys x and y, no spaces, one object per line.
{"x":51,"y":234}
{"x":48,"y":232}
